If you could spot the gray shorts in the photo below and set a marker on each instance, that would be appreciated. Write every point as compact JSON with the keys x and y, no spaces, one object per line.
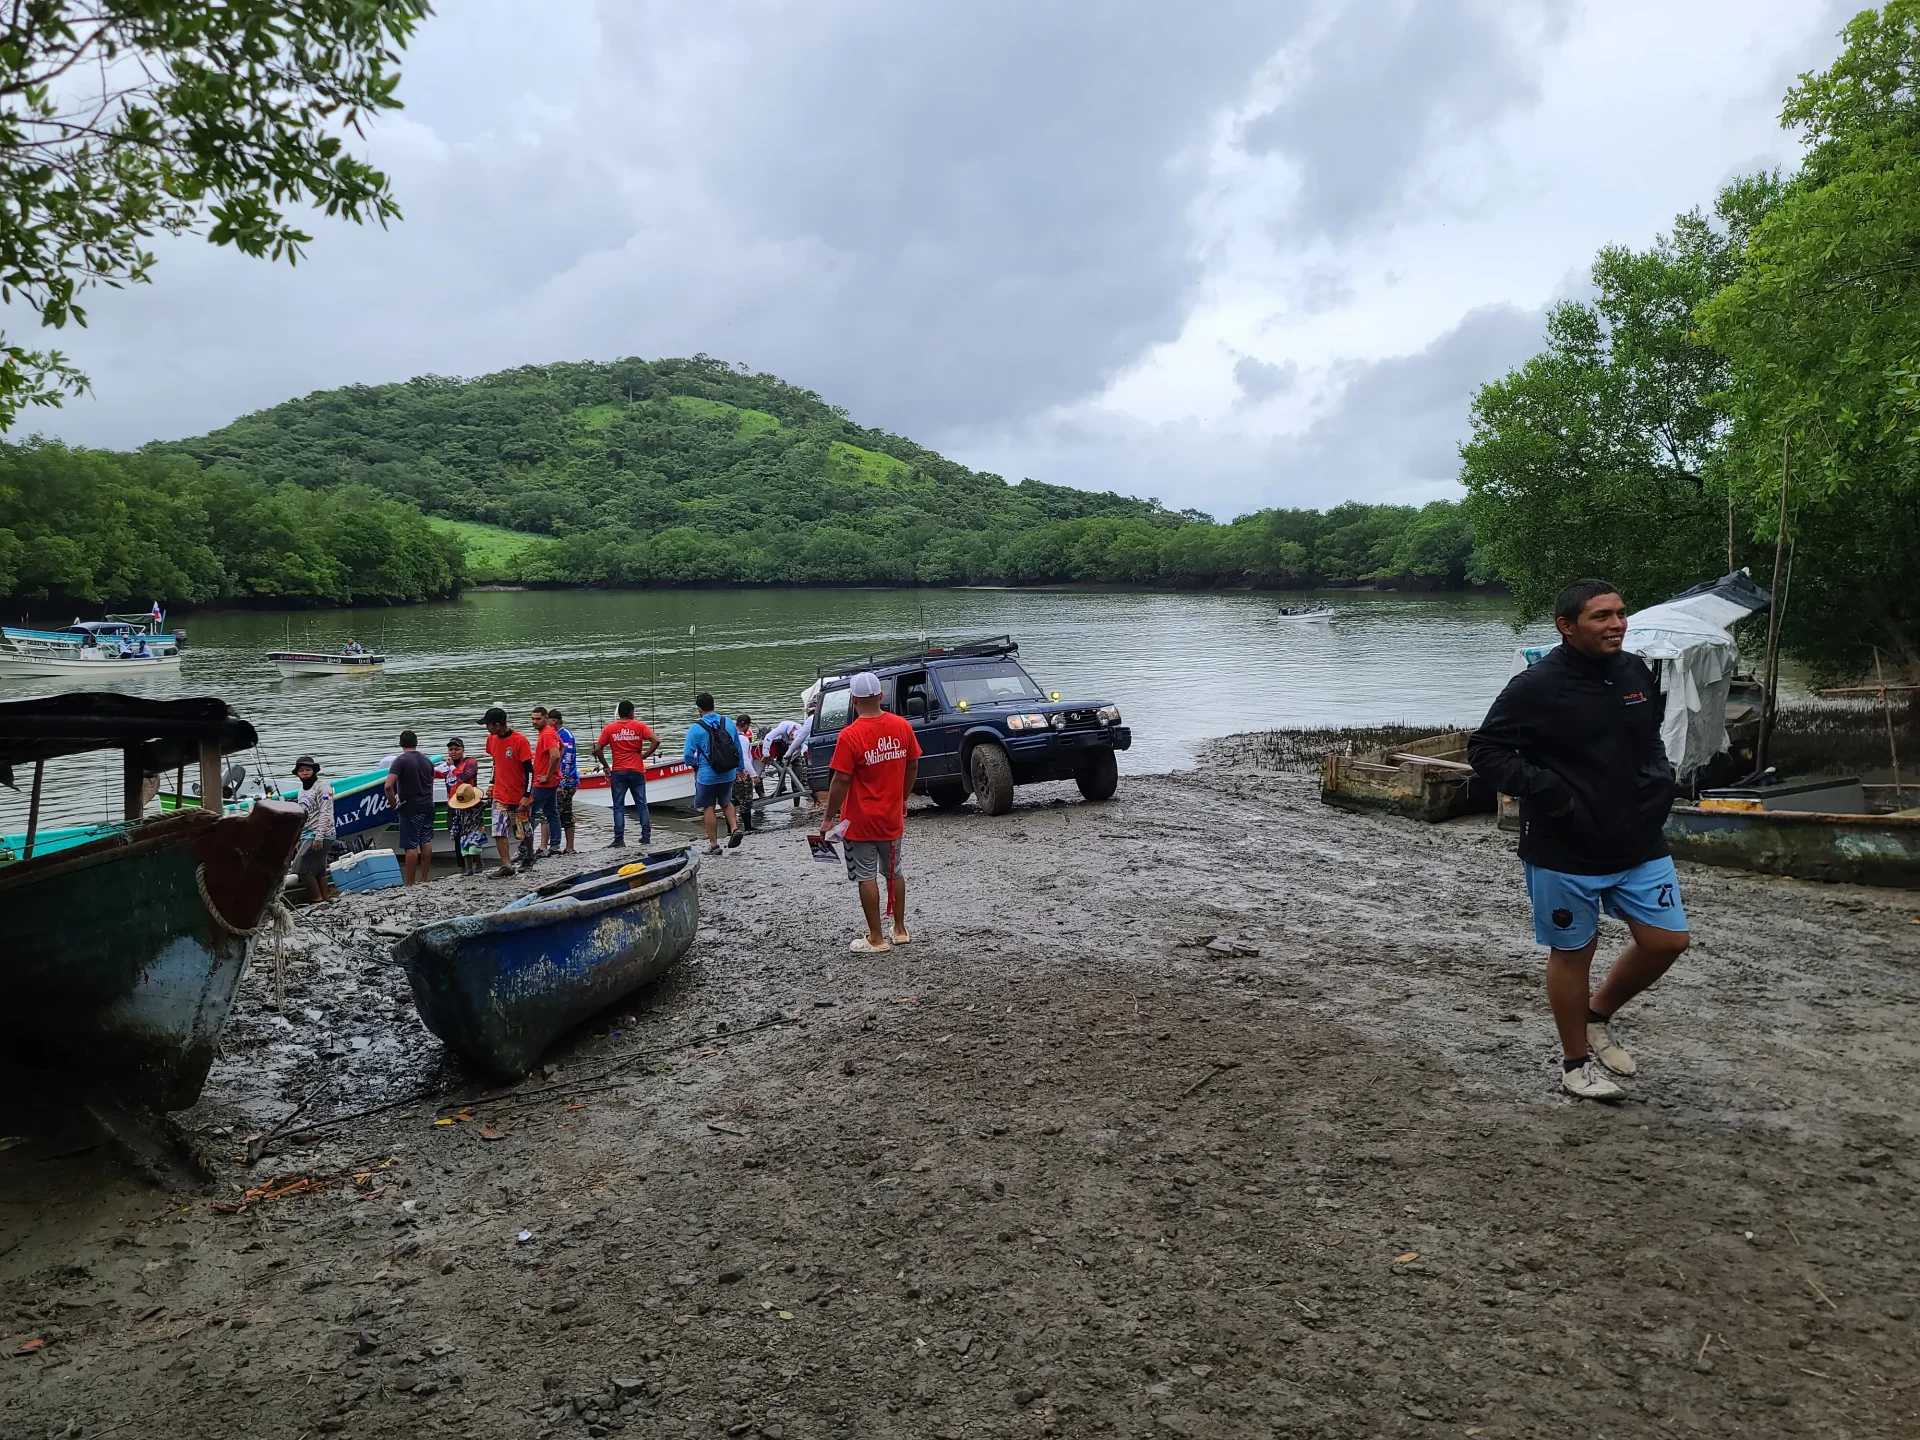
{"x":870,"y":859}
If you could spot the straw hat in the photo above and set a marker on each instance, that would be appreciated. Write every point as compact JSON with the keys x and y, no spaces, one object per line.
{"x":464,"y":797}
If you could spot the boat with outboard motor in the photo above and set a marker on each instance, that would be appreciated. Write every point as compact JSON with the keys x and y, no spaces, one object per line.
{"x":292,"y":663}
{"x":117,"y":645}
{"x":1312,"y":615}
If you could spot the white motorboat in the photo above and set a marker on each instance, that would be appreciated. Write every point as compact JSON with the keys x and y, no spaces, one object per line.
{"x":318,"y":662}
{"x":1313,"y":615}
{"x":669,"y":783}
{"x":89,"y":647}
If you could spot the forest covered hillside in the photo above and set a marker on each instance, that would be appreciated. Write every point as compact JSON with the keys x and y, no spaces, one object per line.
{"x":691,"y":471}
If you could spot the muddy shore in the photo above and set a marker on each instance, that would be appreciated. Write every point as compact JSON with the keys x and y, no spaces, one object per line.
{"x":1208,"y":1111}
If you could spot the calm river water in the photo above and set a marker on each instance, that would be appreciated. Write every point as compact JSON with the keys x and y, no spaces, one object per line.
{"x":1182,"y":667}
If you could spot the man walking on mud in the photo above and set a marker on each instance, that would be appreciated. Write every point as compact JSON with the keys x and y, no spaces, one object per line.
{"x":875,"y":762}
{"x":1576,"y":738}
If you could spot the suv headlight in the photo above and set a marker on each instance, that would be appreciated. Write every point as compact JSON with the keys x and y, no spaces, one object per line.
{"x":1026,"y":722}
{"x":1059,"y":722}
{"x":1109,"y":714}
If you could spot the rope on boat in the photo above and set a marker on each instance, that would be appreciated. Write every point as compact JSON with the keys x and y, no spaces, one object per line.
{"x":278,"y":919}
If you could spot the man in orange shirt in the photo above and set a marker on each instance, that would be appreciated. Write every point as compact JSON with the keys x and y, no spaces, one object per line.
{"x":633,"y":743}
{"x":875,"y":762}
{"x":548,"y":757}
{"x":512,"y":768}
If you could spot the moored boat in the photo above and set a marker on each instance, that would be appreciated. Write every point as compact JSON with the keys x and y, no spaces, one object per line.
{"x":362,"y":816}
{"x":291,"y":663}
{"x":670,"y":784}
{"x":124,"y":951}
{"x":1835,"y":830}
{"x":500,"y":988}
{"x":1427,"y":779}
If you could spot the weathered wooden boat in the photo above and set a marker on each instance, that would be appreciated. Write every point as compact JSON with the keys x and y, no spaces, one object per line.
{"x":320,"y":662}
{"x":124,"y":952}
{"x":1772,"y":830}
{"x":1427,"y":779}
{"x":500,"y":988}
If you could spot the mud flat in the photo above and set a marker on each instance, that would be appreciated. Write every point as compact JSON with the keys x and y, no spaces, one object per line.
{"x":1066,"y":1166}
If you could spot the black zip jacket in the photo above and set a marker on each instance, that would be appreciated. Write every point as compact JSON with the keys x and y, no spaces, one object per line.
{"x":1577,"y":740}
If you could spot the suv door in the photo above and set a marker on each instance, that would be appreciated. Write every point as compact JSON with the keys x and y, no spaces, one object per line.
{"x":937,"y":727}
{"x":836,"y":708}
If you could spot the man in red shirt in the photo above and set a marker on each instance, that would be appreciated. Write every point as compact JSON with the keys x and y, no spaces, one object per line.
{"x":633,"y":743}
{"x":875,"y":762}
{"x":548,"y":760}
{"x":512,"y":766}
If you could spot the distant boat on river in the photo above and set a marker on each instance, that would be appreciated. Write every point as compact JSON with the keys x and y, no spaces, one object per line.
{"x":1312,"y":615}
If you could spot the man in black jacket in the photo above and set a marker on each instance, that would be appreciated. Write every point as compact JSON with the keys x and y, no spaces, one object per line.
{"x":1576,"y":738}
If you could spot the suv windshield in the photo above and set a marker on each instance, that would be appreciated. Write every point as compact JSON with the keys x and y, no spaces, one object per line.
{"x":998,"y":680}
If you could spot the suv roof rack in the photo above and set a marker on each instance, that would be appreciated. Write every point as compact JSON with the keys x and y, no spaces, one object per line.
{"x":987,"y":647}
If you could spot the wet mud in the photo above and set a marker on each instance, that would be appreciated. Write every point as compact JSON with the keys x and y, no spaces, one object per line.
{"x":1207,"y":1111}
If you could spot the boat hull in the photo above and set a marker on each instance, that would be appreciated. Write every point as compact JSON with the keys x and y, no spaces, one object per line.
{"x":499,"y":989}
{"x":128,"y":993}
{"x":1879,"y":850}
{"x":291,"y":665}
{"x":103,"y":669}
{"x":669,"y":787}
{"x":1424,"y":779}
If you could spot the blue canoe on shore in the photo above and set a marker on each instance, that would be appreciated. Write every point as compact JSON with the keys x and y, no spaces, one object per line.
{"x":500,"y":988}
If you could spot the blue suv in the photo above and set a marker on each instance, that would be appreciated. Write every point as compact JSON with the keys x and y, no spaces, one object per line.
{"x":984,"y":726}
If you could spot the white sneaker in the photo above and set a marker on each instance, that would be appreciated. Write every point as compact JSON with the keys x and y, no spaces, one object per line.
{"x":1604,"y":1048}
{"x":1589,"y":1082}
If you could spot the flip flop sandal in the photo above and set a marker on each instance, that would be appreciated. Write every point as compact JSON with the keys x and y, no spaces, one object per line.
{"x":861,"y":947}
{"x":899,"y":939}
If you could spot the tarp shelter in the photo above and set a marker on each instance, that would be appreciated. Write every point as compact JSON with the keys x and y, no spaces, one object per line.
{"x":1686,"y":642}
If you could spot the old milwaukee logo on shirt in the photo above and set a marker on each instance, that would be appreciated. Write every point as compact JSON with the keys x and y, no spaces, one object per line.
{"x":873,"y":753}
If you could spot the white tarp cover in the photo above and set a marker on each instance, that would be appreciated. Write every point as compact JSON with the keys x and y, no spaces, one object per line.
{"x":1685,"y":642}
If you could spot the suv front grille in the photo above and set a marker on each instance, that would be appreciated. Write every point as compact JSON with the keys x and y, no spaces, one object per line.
{"x":1083,"y":719}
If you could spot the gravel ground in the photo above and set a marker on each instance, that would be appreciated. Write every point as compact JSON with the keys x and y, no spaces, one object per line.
{"x":1208,"y":1112}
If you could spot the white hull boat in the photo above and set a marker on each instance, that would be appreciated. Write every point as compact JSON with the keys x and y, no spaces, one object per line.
{"x":669,"y":785}
{"x":99,"y":664}
{"x":1319,"y":615}
{"x":303,"y":662}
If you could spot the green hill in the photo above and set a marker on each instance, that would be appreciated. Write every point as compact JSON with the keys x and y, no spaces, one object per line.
{"x":692,"y":471}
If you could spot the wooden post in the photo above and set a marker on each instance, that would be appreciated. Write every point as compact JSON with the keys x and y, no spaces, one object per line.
{"x":33,"y":807}
{"x":210,"y":774}
{"x":1886,"y":707}
{"x":132,"y":788}
{"x":1768,"y":670}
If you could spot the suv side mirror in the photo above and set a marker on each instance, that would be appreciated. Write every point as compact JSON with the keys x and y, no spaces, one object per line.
{"x":916,"y":707}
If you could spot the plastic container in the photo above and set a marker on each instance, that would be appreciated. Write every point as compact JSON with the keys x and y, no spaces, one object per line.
{"x":369,"y":870}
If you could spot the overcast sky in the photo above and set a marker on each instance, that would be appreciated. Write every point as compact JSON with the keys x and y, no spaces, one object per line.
{"x":1229,"y":254}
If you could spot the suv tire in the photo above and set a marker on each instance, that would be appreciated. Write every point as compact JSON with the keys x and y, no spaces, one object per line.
{"x":1100,"y":777}
{"x":948,"y":794}
{"x":992,"y":776}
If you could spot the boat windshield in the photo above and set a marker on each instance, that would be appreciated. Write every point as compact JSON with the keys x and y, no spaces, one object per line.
{"x":994,"y":682}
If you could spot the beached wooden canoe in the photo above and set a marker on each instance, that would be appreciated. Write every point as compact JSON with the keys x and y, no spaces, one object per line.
{"x":500,"y":988}
{"x":123,"y":953}
{"x":1808,"y":845}
{"x":1427,"y":779}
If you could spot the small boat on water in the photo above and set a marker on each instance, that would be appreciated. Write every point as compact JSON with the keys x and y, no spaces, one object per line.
{"x":500,"y":988}
{"x":292,"y":663}
{"x":670,"y":785}
{"x":124,"y":950}
{"x":362,"y":818}
{"x":1310,"y":615}
{"x":117,"y":646}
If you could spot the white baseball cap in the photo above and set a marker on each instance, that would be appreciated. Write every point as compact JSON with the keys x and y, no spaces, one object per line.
{"x":865,"y":685}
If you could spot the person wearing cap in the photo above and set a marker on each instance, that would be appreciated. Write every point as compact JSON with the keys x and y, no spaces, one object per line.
{"x":747,"y":781}
{"x":316,"y":830}
{"x":875,"y":762}
{"x":466,"y":823}
{"x":512,"y":771}
{"x":713,"y":785}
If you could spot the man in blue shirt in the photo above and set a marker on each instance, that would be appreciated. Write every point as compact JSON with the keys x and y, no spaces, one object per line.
{"x":713,"y":744}
{"x":569,"y":776}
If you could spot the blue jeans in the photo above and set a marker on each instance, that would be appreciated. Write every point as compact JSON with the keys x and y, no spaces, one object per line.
{"x":624,"y":783}
{"x":546,"y":806}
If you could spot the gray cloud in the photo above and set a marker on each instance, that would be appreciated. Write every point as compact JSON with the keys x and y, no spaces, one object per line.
{"x":1387,"y":84}
{"x":1392,"y":433}
{"x":1262,"y":380}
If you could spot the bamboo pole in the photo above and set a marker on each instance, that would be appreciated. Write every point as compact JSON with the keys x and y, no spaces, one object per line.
{"x":33,"y":807}
{"x":1770,"y":668}
{"x":1886,"y":708}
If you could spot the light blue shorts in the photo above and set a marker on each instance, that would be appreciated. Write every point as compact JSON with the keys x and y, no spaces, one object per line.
{"x":1566,"y":908}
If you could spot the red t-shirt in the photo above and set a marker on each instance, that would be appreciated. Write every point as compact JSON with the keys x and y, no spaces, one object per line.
{"x":873,"y":753}
{"x":510,"y":752}
{"x":626,"y":737}
{"x":547,"y":751}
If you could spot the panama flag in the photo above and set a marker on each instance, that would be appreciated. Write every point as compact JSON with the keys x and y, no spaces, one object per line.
{"x":156,"y":610}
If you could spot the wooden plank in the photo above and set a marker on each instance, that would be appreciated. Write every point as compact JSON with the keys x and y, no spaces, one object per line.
{"x":132,"y":784}
{"x":1403,"y":757}
{"x":210,"y":774}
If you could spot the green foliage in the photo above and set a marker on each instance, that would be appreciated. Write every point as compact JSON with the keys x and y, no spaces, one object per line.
{"x":677,"y":472}
{"x":120,"y":119}
{"x":1655,"y":421}
{"x":89,"y":525}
